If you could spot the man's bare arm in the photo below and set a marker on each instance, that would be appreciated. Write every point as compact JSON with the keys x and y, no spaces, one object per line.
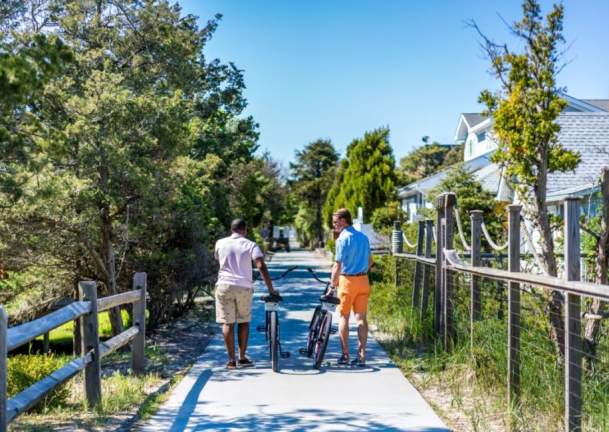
{"x":370,"y":262}
{"x":264,"y":271}
{"x":335,"y":273}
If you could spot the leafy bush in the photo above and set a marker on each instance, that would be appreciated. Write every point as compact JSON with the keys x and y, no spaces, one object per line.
{"x":25,"y":370}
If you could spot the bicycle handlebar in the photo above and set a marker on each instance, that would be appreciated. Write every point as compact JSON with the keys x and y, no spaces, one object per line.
{"x":317,"y":278}
{"x":282,"y":275}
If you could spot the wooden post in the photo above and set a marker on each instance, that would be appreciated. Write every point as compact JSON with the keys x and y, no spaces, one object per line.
{"x":448,"y":284}
{"x":426,"y":269}
{"x":89,"y":328}
{"x":45,"y":343}
{"x":437,"y":300}
{"x":513,"y":377}
{"x":475,"y":298}
{"x":138,"y":345}
{"x":573,"y":340}
{"x":3,"y":370}
{"x":416,"y":291}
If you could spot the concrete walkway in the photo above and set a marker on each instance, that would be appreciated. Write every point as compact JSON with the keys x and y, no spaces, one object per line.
{"x":298,"y":398}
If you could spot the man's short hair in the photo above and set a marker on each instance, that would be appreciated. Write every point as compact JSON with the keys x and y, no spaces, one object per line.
{"x":237,"y":225}
{"x":344,"y":214}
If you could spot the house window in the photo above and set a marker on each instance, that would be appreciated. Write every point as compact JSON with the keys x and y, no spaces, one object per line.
{"x":481,"y":136}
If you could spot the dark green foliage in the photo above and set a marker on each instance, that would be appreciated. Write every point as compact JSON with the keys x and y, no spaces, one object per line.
{"x":427,"y":160}
{"x":312,"y":176}
{"x":134,"y":155}
{"x":383,"y":217}
{"x":367,"y":177}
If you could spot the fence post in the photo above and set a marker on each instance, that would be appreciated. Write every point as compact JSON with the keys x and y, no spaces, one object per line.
{"x":416,"y":291}
{"x":573,"y":341}
{"x":138,"y":345}
{"x":397,"y":246}
{"x":476,"y":301}
{"x":426,"y":270}
{"x":89,"y":328}
{"x":513,"y":347}
{"x":448,"y":285}
{"x":437,"y":316}
{"x":3,"y":369}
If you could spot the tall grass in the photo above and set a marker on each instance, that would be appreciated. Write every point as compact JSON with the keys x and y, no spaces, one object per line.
{"x":476,"y":373}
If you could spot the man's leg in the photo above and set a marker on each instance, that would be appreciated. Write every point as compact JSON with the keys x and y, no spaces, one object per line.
{"x":228,"y":331}
{"x":362,"y":333}
{"x":243,"y":332}
{"x":343,"y":329}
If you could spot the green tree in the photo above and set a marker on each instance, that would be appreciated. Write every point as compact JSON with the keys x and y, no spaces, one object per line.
{"x":425,"y":161}
{"x":367,"y":179}
{"x":524,"y":112}
{"x":132,"y":170}
{"x":312,"y":177}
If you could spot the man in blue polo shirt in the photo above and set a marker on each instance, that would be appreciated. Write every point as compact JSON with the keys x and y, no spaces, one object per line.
{"x":350,"y":274}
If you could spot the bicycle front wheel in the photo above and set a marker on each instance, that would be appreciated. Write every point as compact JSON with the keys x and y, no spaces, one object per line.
{"x":313,"y":331}
{"x":322,"y":339}
{"x":274,"y":342}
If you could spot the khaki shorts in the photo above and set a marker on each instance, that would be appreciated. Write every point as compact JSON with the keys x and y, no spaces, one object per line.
{"x":233,"y":304}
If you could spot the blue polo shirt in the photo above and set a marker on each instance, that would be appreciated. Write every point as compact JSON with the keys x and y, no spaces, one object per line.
{"x":352,"y":250}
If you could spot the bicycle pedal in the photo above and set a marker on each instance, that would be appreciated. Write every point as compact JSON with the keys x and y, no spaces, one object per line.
{"x":261,"y":328}
{"x":303,"y":351}
{"x":285,"y":354}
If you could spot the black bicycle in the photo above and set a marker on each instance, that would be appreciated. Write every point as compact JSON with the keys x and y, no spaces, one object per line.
{"x":320,"y":327}
{"x":271,"y":329}
{"x":271,"y":325}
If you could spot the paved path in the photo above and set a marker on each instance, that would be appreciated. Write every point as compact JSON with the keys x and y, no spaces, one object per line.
{"x":298,"y":398}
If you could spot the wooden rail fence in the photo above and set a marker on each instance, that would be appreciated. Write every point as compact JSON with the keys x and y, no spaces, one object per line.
{"x":86,"y":310}
{"x":447,"y":263}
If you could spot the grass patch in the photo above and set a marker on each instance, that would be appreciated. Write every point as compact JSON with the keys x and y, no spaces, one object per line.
{"x":475,"y":378}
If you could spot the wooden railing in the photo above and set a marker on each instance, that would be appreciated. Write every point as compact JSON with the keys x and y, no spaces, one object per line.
{"x":86,"y":310}
{"x":447,"y":263}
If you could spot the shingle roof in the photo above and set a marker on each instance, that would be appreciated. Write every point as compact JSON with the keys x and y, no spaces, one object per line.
{"x":600,"y":103}
{"x":588,"y":134}
{"x":473,"y":119}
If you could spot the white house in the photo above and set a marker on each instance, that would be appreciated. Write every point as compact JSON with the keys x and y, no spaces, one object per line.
{"x":584,"y":129}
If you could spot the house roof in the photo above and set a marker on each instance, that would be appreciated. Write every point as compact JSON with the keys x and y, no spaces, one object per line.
{"x":600,"y":103}
{"x":428,"y":183}
{"x":587,"y":134}
{"x":473,"y":119}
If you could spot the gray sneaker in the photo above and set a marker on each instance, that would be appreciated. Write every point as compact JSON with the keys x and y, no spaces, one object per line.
{"x":359,"y":362}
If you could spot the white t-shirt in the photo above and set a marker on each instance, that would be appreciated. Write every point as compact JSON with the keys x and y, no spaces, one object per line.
{"x":235,"y":254}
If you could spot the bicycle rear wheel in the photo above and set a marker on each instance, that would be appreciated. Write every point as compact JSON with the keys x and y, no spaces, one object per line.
{"x":274,"y":342}
{"x":313,"y":331}
{"x":322,"y":339}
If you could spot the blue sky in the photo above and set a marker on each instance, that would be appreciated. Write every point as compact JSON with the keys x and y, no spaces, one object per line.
{"x":334,"y":69}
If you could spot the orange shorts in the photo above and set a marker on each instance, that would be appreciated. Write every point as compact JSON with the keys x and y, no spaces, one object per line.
{"x":353,"y":292}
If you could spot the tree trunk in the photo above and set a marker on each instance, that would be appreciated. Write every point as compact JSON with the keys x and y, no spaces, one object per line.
{"x":542,"y":220}
{"x":593,"y":326}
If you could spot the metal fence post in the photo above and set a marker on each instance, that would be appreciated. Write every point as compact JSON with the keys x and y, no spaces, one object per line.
{"x":416,"y":291}
{"x":426,"y":269}
{"x":89,"y":328}
{"x":573,"y":340}
{"x":448,"y":285}
{"x":138,"y":345}
{"x":3,"y":370}
{"x":475,"y":298}
{"x":437,"y":316}
{"x":513,"y":347}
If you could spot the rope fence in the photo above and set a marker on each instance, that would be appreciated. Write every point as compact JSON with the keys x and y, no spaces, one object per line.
{"x":525,"y":333}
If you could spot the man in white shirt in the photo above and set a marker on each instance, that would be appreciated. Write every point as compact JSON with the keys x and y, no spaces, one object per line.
{"x":234,"y":289}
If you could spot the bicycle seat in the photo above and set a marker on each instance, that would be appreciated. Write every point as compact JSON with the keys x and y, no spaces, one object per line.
{"x":271,"y":298}
{"x":329,"y":299}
